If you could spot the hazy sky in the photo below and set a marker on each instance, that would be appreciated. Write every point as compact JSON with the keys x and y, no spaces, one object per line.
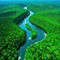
{"x":29,"y":0}
{"x":33,"y":0}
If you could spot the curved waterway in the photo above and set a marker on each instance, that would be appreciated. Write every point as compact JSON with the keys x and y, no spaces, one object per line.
{"x":40,"y":35}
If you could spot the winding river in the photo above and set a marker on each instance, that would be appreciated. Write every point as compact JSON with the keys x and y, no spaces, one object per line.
{"x":40,"y":35}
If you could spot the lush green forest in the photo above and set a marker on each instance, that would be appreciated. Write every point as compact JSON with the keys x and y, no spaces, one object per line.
{"x":11,"y":36}
{"x":47,"y":17}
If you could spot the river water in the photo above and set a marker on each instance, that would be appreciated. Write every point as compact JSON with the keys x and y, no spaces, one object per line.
{"x":40,"y":35}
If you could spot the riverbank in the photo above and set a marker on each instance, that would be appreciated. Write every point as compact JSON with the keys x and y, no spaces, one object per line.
{"x":11,"y":36}
{"x":49,"y":48}
{"x":34,"y":32}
